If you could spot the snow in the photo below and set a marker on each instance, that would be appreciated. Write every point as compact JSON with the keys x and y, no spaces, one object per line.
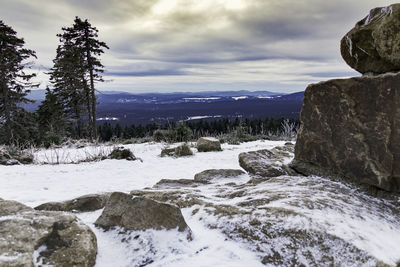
{"x":9,"y":258}
{"x":36,"y":184}
{"x":107,"y":119}
{"x":168,"y":248}
{"x":370,"y":224}
{"x":239,"y":97}
{"x":201,"y":98}
{"x":202,"y":117}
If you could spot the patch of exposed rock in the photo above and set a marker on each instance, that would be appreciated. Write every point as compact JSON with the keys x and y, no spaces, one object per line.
{"x":373,"y":45}
{"x":350,"y":128}
{"x":139,"y":214}
{"x":209,"y":175}
{"x":178,"y":183}
{"x":122,"y":153}
{"x":84,"y":203}
{"x":207,"y":144}
{"x":268,"y":162}
{"x":29,"y":237}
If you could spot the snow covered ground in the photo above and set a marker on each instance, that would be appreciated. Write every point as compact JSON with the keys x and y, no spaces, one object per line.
{"x":310,"y":204}
{"x":36,"y":184}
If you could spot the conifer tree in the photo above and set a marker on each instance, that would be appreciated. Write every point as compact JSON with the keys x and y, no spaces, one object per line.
{"x":81,"y":46}
{"x":50,"y":118}
{"x":14,"y":81}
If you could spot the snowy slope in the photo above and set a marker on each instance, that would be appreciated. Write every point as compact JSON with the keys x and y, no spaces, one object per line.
{"x":355,"y":226}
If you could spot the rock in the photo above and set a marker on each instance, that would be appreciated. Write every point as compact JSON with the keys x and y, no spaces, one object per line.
{"x":351,"y":128}
{"x":35,"y":238}
{"x":84,"y":203}
{"x":180,"y":198}
{"x":178,"y":183}
{"x":179,"y":151}
{"x":121,"y":153}
{"x":206,"y":144}
{"x":209,"y":175}
{"x":139,"y":214}
{"x":268,"y":163}
{"x":373,"y":45}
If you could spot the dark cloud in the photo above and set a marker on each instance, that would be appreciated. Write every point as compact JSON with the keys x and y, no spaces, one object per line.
{"x":147,"y":73}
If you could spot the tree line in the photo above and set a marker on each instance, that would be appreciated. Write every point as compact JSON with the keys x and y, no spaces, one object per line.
{"x":70,"y":106}
{"x":192,"y":130}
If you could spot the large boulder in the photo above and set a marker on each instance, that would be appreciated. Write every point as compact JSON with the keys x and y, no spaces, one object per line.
{"x":206,"y":144}
{"x":139,"y":213}
{"x":268,"y":162}
{"x":212,"y":174}
{"x":351,"y":128}
{"x":84,"y":203}
{"x":373,"y":45}
{"x":34,"y":238}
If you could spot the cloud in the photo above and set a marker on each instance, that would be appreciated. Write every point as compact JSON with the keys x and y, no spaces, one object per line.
{"x":190,"y":44}
{"x":147,"y":73}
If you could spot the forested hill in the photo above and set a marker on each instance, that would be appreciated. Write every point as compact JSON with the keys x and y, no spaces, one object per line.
{"x":126,"y":108}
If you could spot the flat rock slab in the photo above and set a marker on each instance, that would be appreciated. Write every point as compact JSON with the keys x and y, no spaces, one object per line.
{"x":373,"y":45}
{"x":351,"y":128}
{"x":209,"y":175}
{"x":267,"y":162}
{"x":29,"y":237}
{"x":140,"y":214}
{"x":178,"y":183}
{"x":84,"y":203}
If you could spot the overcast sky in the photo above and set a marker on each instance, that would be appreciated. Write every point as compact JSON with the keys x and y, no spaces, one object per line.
{"x":199,"y":45}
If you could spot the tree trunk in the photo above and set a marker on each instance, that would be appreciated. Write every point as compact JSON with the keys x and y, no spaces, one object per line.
{"x":7,"y":115}
{"x":89,"y":110}
{"x":78,"y":120}
{"x":92,"y":90}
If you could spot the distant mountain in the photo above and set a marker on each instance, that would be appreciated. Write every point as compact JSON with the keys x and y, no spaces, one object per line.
{"x":126,"y":108}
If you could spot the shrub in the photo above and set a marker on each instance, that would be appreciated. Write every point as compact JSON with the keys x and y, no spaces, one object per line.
{"x":183,"y":150}
{"x":182,"y":132}
{"x":180,"y":151}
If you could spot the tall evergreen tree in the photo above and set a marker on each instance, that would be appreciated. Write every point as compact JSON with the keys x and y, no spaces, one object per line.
{"x":50,"y":118}
{"x":66,"y":76}
{"x":77,"y":68}
{"x":14,"y":81}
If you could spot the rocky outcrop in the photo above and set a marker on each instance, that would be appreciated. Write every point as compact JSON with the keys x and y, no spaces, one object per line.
{"x":351,"y":128}
{"x":36,"y":238}
{"x":121,"y":153}
{"x":82,"y":204}
{"x":206,"y":144}
{"x":373,"y":45}
{"x":139,"y":213}
{"x":268,"y":162}
{"x":209,"y":175}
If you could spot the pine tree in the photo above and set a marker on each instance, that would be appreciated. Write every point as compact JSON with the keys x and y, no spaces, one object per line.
{"x":78,"y":54}
{"x":50,"y":118}
{"x":14,"y":81}
{"x":69,"y":86}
